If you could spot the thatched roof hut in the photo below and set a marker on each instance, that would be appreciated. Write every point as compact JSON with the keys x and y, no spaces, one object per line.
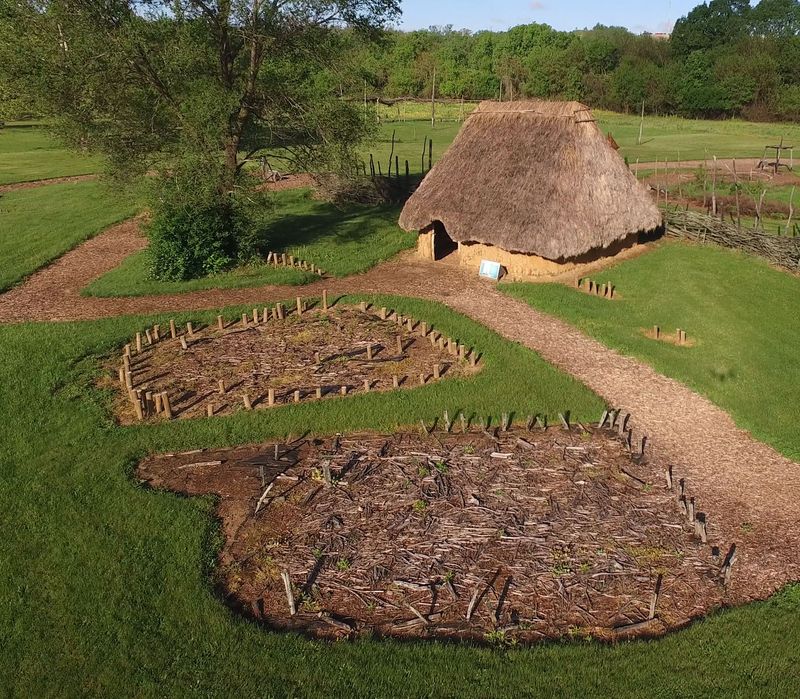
{"x":537,"y":178}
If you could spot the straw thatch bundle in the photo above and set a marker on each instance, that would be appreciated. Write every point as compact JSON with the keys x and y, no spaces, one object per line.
{"x":533,"y":177}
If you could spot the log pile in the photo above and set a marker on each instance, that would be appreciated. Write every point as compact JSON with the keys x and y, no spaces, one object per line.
{"x":699,"y":227}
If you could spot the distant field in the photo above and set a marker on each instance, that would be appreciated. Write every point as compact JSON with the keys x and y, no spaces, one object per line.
{"x":740,"y":312}
{"x":39,"y":225}
{"x":340,"y":241}
{"x":28,"y":152}
{"x":672,"y":138}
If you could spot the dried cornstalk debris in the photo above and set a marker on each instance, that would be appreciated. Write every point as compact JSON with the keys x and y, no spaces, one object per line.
{"x":430,"y":526}
{"x":315,"y":355}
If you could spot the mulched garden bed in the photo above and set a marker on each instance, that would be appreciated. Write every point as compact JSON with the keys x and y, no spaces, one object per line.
{"x":502,"y":536}
{"x":251,"y":365}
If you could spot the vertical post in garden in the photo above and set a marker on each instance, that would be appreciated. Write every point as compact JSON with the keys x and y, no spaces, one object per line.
{"x":271,"y":397}
{"x":220,"y":323}
{"x":641,"y":127}
{"x":138,"y":342}
{"x":299,"y":306}
{"x":433,"y":99}
{"x":167,"y":405}
{"x":324,"y":299}
{"x":173,"y":333}
{"x":430,"y":154}
{"x":714,"y":188}
{"x":736,"y":186}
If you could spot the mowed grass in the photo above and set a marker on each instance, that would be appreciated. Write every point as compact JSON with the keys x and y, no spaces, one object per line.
{"x":671,"y":138}
{"x":341,"y":241}
{"x":28,"y":152}
{"x":740,"y":313}
{"x":107,"y":587}
{"x":39,"y":225}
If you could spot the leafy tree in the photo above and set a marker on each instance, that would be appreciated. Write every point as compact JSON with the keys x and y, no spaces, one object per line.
{"x":191,"y":88}
{"x":712,"y":24}
{"x":776,"y":18}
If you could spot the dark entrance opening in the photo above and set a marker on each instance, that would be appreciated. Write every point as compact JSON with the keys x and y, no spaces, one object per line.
{"x":443,"y":244}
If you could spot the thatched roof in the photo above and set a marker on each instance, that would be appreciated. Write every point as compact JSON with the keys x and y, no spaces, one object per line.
{"x":533,"y":177}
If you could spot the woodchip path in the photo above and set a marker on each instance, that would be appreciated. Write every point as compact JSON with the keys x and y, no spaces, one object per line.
{"x":750,"y":492}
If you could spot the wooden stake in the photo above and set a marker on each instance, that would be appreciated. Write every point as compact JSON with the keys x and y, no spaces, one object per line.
{"x":210,"y":410}
{"x":363,"y":306}
{"x":287,"y":584}
{"x":279,"y":310}
{"x":137,"y":406}
{"x":138,"y":342}
{"x":399,"y":344}
{"x":367,"y":385}
{"x":369,"y":350}
{"x":265,"y":315}
{"x":395,"y":381}
{"x":297,"y":396}
{"x":221,"y":384}
{"x":122,"y":376}
{"x":167,"y":405}
{"x":159,"y":402}
{"x":299,"y":306}
{"x":190,"y":329}
{"x":423,"y":378}
{"x":156,"y":333}
{"x":656,"y":332}
{"x":148,"y":336}
{"x":247,"y":404}
{"x":343,"y":390}
{"x":324,"y":300}
{"x":437,"y":371}
{"x":270,"y":397}
{"x":172,"y":332}
{"x":383,"y":313}
{"x":183,"y":342}
{"x":319,"y":392}
{"x":423,"y":329}
{"x":244,"y":320}
{"x":128,"y":350}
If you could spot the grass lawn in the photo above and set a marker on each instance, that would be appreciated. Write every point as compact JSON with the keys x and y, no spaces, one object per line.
{"x":38,"y":225}
{"x":741,"y":313}
{"x":341,"y":242}
{"x":664,"y":137}
{"x":28,"y":152}
{"x":107,"y":587}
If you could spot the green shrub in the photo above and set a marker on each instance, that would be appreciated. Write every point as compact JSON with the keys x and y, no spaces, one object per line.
{"x":190,"y":242}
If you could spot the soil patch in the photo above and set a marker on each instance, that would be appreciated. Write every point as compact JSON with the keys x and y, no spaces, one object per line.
{"x":247,"y":364}
{"x":503,"y":536}
{"x":33,"y":184}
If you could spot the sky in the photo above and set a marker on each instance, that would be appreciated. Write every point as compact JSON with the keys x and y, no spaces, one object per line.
{"x":637,"y":15}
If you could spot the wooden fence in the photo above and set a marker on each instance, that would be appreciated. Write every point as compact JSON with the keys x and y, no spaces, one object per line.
{"x":692,"y":225}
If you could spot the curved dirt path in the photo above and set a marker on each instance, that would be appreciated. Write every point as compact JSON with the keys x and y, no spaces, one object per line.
{"x":750,"y":492}
{"x":33,"y":184}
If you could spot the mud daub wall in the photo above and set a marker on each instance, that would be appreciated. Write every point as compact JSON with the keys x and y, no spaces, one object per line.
{"x":691,"y":225}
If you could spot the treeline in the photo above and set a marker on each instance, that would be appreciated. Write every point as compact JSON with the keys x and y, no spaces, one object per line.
{"x":725,"y":58}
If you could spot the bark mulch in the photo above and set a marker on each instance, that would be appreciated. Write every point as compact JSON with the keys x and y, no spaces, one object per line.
{"x":33,"y":184}
{"x":505,"y":535}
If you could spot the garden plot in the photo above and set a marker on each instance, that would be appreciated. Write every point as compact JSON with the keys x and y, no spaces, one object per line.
{"x":277,"y":358}
{"x":504,"y":536}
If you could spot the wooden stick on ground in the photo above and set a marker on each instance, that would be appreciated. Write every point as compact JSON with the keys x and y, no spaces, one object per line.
{"x":287,"y":584}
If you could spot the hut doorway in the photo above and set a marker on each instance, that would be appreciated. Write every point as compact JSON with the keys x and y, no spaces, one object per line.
{"x":443,"y":244}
